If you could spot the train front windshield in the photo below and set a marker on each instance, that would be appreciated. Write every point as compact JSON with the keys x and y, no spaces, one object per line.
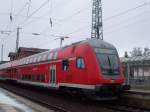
{"x":108,"y":60}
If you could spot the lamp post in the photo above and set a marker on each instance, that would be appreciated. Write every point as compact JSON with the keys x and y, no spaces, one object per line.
{"x":3,"y":32}
{"x":2,"y":50}
{"x":62,"y":38}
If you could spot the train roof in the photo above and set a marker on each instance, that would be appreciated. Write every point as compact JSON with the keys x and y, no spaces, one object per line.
{"x":136,"y":59}
{"x":99,"y":43}
{"x":27,"y":60}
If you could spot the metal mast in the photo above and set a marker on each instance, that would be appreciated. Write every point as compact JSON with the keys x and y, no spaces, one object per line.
{"x":2,"y":49}
{"x":17,"y":39}
{"x":97,"y":26}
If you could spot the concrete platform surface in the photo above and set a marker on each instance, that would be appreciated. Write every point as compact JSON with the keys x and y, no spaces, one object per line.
{"x":10,"y":102}
{"x":139,"y":91}
{"x":137,"y":97}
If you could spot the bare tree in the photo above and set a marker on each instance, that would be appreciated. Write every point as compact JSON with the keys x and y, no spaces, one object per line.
{"x":136,"y":52}
{"x":126,"y":54}
{"x":146,"y":51}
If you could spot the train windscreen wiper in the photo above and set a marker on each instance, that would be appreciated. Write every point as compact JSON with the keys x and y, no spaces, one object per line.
{"x":109,"y":61}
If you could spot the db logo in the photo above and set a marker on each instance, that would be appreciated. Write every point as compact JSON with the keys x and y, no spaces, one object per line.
{"x":112,"y":81}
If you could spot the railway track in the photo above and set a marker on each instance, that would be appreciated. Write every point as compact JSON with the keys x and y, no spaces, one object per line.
{"x":126,"y":108}
{"x":65,"y":103}
{"x":33,"y":98}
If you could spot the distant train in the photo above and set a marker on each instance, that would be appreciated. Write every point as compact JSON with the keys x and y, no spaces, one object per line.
{"x":91,"y":67}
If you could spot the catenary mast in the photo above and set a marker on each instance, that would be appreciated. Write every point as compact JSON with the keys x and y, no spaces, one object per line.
{"x":97,"y":26}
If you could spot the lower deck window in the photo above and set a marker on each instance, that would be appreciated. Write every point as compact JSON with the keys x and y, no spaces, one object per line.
{"x":65,"y":65}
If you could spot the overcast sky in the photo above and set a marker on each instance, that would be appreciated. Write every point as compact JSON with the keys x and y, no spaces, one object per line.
{"x":73,"y":18}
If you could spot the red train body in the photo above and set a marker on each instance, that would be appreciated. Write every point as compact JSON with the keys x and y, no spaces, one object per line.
{"x":91,"y":66}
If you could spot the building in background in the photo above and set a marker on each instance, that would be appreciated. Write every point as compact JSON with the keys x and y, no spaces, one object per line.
{"x":24,"y":52}
{"x":137,"y":70}
{"x":1,"y":62}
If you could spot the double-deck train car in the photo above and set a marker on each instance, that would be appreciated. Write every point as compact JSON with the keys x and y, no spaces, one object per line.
{"x":91,"y":66}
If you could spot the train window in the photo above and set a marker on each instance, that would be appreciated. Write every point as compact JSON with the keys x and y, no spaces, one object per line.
{"x":38,"y":78}
{"x":33,"y":77}
{"x":50,"y":56}
{"x":27,"y":61}
{"x":39,"y":59}
{"x":29,"y":77}
{"x":30,"y":60}
{"x":23,"y":77}
{"x":24,"y":61}
{"x":80,"y":63}
{"x":34,"y":59}
{"x":55,"y":55}
{"x":65,"y":65}
{"x":42,"y":78}
{"x":44,"y":57}
{"x":26,"y":77}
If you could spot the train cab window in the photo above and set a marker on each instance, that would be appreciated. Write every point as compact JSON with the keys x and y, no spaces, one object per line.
{"x":65,"y":65}
{"x":80,"y":63}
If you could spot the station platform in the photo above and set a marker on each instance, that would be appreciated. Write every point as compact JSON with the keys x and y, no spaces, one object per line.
{"x":10,"y":102}
{"x":139,"y":91}
{"x":137,"y":97}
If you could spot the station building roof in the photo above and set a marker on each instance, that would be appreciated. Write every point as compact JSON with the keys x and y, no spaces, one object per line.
{"x":135,"y":59}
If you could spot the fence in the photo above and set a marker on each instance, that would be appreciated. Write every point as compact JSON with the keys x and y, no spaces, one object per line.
{"x":139,"y":82}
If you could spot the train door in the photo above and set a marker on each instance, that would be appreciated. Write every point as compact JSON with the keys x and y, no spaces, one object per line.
{"x":18,"y":73}
{"x":52,"y":79}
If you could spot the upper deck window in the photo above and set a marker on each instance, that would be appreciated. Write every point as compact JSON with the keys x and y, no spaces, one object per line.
{"x":44,"y":57}
{"x":31,"y":60}
{"x":39,"y":58}
{"x":35,"y":59}
{"x":27,"y":61}
{"x":55,"y":55}
{"x":50,"y":56}
{"x":80,"y":63}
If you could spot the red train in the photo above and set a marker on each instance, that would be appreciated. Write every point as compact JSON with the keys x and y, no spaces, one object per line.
{"x":91,"y":66}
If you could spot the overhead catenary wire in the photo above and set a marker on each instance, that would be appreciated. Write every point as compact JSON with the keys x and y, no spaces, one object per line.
{"x":68,"y":18}
{"x":29,"y":5}
{"x":127,"y":25}
{"x":111,"y":17}
{"x":126,"y":20}
{"x":52,"y":18}
{"x":16,"y":15}
{"x":128,"y":11}
{"x":116,"y":15}
{"x":35,"y":11}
